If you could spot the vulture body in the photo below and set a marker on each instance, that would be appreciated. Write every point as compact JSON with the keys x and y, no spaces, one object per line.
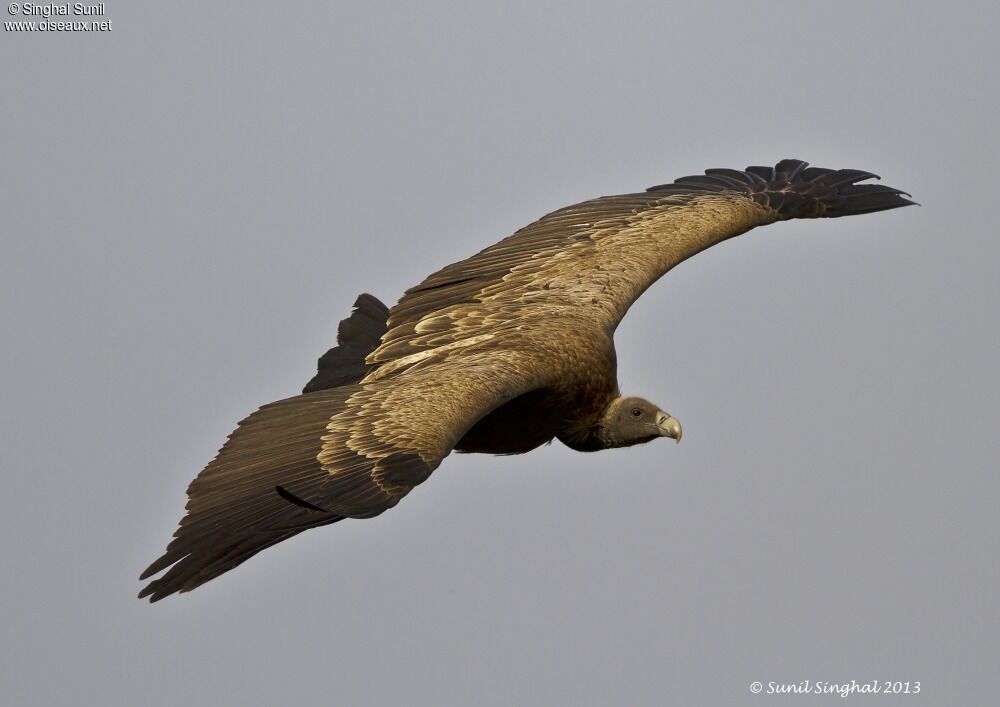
{"x":499,"y":353}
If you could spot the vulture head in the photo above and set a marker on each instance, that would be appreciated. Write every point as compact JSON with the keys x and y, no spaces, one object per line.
{"x":631,"y":420}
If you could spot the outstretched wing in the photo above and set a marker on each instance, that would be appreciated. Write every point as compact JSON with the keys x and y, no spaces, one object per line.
{"x":593,"y":259}
{"x":311,"y":460}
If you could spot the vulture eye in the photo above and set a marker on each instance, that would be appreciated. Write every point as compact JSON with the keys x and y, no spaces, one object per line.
{"x":636,"y":412}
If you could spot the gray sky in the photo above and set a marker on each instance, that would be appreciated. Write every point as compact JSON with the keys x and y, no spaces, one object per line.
{"x":193,"y":200}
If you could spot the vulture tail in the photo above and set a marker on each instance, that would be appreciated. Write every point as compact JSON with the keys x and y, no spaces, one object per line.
{"x":357,"y":336}
{"x":795,"y":190}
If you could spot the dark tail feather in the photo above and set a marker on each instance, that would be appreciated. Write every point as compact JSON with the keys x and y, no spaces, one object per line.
{"x":357,"y":336}
{"x":795,"y":190}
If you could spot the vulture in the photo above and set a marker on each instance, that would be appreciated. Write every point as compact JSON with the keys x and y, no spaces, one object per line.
{"x":498,"y":354}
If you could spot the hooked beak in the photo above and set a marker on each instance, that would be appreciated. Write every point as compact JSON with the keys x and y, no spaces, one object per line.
{"x":669,"y":426}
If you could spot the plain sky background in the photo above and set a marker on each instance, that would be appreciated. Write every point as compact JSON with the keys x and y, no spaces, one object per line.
{"x":192,"y":201}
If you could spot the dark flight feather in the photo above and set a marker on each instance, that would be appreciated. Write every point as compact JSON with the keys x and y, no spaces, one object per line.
{"x":796,"y":190}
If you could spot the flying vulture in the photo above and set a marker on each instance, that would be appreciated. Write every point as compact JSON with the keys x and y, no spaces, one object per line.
{"x":498,"y":354}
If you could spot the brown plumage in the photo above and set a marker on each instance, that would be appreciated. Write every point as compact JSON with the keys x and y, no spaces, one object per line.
{"x":498,"y":353}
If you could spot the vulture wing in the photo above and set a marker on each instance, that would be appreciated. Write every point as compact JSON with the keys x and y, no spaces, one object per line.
{"x":311,"y":460}
{"x":593,"y":259}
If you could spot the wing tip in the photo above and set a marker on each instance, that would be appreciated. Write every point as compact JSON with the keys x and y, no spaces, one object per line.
{"x":793,"y":189}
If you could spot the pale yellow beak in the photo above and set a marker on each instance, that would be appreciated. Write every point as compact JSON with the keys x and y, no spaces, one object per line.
{"x":669,"y":426}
